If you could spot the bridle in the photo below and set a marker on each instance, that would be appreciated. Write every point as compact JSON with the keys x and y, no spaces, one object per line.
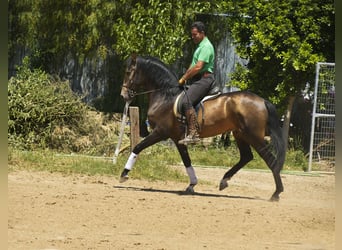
{"x":131,"y":92}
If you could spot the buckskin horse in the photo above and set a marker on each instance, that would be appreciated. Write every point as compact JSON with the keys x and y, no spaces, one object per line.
{"x":249,"y":117}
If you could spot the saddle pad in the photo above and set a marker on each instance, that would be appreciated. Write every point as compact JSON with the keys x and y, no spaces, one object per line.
{"x":177,"y":106}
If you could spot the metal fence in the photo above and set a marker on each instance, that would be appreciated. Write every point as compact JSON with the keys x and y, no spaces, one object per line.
{"x":322,"y":138}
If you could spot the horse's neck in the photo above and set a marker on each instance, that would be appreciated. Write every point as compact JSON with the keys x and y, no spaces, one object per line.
{"x":156,"y":97}
{"x":158,"y":101}
{"x":157,"y":90}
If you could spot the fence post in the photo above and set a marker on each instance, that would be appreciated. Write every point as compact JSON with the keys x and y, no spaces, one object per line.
{"x":322,"y":138}
{"x":134,"y":120}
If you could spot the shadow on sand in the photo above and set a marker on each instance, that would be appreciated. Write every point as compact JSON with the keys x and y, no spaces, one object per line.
{"x":184,"y":193}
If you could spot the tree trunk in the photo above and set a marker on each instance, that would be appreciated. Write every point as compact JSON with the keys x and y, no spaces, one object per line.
{"x":287,"y":119}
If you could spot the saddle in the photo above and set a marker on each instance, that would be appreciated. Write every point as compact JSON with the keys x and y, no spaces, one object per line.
{"x":177,"y":106}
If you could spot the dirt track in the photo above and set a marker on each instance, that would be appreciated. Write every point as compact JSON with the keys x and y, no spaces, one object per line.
{"x":51,"y":211}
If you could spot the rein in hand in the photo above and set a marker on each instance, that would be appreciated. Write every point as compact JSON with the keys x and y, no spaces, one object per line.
{"x":133,"y":93}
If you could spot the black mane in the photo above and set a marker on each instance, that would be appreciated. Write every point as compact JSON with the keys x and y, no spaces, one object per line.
{"x":159,"y":74}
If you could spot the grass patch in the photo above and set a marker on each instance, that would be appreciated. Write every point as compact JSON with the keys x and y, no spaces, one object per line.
{"x":226,"y":158}
{"x":147,"y":167}
{"x":158,"y":162}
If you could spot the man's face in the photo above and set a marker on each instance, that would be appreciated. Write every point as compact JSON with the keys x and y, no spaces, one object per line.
{"x":196,"y":36}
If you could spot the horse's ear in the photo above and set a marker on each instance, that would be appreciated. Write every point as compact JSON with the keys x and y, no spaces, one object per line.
{"x":134,"y":57}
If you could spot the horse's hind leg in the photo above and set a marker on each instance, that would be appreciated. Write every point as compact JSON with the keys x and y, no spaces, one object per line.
{"x":279,"y":185}
{"x":265,"y":152}
{"x":246,"y":156}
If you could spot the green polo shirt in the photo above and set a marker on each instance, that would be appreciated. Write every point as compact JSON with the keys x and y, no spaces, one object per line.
{"x":204,"y":52}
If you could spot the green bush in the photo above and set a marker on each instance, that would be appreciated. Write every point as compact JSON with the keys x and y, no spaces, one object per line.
{"x":37,"y":105}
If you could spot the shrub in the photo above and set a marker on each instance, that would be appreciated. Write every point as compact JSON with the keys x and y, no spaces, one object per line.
{"x":38,"y":104}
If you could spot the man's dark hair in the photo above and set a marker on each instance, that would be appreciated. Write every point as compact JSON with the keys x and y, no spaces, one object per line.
{"x":199,"y":26}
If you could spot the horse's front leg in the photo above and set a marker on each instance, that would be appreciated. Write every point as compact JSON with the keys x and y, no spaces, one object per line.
{"x":151,"y":139}
{"x":183,"y":151}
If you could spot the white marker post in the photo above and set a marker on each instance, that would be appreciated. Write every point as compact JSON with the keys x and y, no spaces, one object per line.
{"x":122,"y":128}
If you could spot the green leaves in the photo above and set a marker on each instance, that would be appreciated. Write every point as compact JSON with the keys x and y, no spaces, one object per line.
{"x":283,"y":41}
{"x":157,"y":28}
{"x":80,"y":28}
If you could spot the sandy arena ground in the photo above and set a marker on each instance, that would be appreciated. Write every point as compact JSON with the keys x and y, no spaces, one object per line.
{"x":52,"y":211}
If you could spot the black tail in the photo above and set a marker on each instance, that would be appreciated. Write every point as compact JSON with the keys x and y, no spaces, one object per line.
{"x":275,"y":131}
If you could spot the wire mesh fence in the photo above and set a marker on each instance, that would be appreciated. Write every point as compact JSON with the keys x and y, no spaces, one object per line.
{"x":322,"y":138}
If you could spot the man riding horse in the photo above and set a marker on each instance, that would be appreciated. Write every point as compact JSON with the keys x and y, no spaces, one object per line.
{"x":200,"y":73}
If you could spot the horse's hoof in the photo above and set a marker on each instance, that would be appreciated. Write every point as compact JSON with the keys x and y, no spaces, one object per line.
{"x":190,"y":189}
{"x":123,"y":178}
{"x":223,"y":185}
{"x":274,"y":198}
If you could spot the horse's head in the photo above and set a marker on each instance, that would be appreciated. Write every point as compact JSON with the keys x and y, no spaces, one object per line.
{"x":148,"y":75}
{"x":131,"y":80}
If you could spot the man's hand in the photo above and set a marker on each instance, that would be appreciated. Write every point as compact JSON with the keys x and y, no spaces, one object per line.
{"x":181,"y":81}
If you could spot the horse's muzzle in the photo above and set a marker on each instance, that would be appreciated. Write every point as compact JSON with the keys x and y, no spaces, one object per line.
{"x":127,"y":94}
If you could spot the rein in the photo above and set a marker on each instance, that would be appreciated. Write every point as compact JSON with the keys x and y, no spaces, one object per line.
{"x":145,"y":92}
{"x":133,"y":93}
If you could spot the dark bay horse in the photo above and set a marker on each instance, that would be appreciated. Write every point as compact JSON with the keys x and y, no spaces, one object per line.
{"x":248,"y":116}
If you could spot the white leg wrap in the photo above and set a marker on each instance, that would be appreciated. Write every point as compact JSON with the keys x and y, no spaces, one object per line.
{"x":191,"y":173}
{"x":131,"y":161}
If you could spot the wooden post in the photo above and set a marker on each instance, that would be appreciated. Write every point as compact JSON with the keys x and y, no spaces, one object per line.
{"x":134,"y":119}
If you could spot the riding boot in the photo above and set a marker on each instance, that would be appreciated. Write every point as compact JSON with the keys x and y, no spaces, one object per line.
{"x":193,"y":127}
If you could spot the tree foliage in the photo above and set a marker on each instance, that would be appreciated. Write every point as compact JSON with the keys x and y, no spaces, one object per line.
{"x":158,"y":28}
{"x":283,"y":41}
{"x":52,"y":30}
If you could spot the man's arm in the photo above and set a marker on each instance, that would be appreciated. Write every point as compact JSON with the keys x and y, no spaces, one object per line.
{"x":192,"y":71}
